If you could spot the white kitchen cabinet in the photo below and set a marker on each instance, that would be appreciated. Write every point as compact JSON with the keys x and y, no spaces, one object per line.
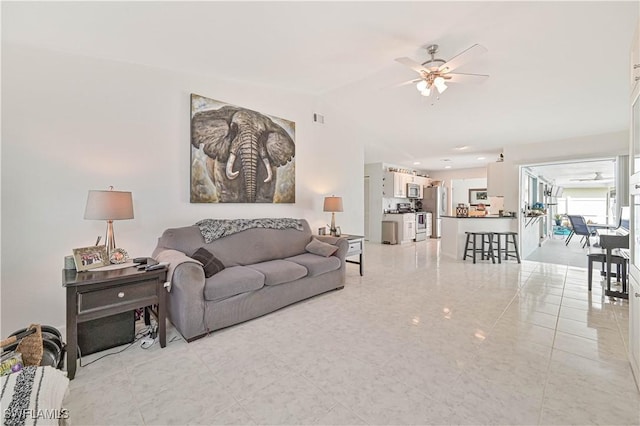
{"x":428,"y":219}
{"x":634,"y":60}
{"x":634,"y":328}
{"x":394,"y":185}
{"x":406,"y":225}
{"x":634,"y":190}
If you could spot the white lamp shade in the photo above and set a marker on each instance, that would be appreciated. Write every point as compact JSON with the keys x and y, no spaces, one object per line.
{"x":332,"y":204}
{"x":422,"y":84}
{"x":109,"y":205}
{"x":440,"y":84}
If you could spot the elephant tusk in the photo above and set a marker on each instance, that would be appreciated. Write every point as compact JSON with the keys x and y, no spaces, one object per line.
{"x":268,"y":166}
{"x":230,"y":173}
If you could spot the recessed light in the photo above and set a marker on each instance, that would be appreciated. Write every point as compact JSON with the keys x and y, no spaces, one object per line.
{"x":482,"y":158}
{"x":447,"y":167}
{"x":415,"y":163}
{"x":462,"y":147}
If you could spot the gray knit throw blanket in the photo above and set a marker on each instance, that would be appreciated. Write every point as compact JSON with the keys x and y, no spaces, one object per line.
{"x":212,"y":229}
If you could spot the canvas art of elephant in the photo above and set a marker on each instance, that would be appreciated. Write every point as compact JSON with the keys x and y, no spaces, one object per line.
{"x":239,"y":155}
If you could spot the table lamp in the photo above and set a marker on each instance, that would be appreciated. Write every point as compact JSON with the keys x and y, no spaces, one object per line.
{"x":333,"y":204}
{"x":109,"y":205}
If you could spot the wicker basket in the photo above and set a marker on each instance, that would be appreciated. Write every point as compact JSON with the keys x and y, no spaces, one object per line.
{"x":30,"y":346}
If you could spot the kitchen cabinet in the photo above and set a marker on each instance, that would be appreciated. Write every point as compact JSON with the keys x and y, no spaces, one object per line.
{"x":634,"y":328}
{"x":634,"y":190}
{"x":394,"y":185}
{"x":634,"y":60}
{"x":406,"y":225}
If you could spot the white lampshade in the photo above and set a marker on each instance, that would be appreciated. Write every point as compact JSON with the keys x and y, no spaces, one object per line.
{"x":109,"y":205}
{"x":426,"y":92}
{"x":440,"y":84}
{"x":332,"y":204}
{"x":422,"y":84}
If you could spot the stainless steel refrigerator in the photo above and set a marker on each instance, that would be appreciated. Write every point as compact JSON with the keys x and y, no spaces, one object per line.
{"x":435,"y":201}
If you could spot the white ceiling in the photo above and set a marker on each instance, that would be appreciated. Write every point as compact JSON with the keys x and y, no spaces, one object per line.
{"x":557,"y":69}
{"x":578,"y":174}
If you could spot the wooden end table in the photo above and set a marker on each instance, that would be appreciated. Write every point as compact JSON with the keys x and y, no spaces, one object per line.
{"x":92,"y":295}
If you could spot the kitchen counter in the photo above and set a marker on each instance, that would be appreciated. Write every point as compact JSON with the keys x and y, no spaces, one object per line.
{"x":454,"y":228}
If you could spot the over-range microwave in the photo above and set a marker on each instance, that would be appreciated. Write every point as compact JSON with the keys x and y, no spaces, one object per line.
{"x":413,"y":190}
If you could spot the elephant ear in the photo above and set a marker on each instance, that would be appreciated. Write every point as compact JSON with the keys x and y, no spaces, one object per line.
{"x":212,"y":128}
{"x":280,"y":146}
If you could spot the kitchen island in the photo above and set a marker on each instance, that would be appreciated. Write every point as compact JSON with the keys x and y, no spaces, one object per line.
{"x":454,"y":228}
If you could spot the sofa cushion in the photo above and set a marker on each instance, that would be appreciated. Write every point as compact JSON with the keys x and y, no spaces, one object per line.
{"x":320,"y":248}
{"x":210,"y":263}
{"x":279,"y":271}
{"x":232,"y":281}
{"x":316,"y":265}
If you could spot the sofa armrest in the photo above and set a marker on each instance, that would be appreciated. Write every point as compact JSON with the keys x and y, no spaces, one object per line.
{"x":341,"y":242}
{"x":185,"y":301}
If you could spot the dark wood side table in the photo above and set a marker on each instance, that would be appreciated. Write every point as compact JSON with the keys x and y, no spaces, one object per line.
{"x":92,"y":295}
{"x":356,"y":247}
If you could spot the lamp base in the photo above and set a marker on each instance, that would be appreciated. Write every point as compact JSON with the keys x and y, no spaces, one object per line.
{"x":110,"y":239}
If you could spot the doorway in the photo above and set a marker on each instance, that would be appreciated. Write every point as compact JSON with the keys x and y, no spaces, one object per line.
{"x":585,"y":188}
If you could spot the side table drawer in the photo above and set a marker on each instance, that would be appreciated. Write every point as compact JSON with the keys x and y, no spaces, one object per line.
{"x":108,"y":297}
{"x":354,"y":248}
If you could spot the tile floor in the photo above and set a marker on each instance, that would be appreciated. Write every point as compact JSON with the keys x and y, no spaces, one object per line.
{"x":419,"y":339}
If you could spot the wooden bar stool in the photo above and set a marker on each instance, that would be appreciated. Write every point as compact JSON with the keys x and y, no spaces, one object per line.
{"x":505,"y":248}
{"x":485,"y":238}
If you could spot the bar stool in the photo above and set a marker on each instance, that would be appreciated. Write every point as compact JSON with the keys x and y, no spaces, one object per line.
{"x":485,"y":238}
{"x":505,"y":249}
{"x":619,"y":261}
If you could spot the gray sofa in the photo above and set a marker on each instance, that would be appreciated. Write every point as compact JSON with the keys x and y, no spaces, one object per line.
{"x":265,"y":270}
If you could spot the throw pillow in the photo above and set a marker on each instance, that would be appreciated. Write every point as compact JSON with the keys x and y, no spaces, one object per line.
{"x":211,"y":264}
{"x":320,"y":248}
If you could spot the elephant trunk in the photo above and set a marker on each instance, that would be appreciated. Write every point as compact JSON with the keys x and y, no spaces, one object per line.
{"x":248,"y":153}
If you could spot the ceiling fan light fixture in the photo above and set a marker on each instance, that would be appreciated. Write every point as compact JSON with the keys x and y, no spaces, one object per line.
{"x":426,"y":91}
{"x":421,"y":86}
{"x":440,"y":84}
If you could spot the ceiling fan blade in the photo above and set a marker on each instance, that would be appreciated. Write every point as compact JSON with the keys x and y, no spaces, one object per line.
{"x":414,"y":81}
{"x":454,"y":77}
{"x":463,"y":57}
{"x":408,"y":62}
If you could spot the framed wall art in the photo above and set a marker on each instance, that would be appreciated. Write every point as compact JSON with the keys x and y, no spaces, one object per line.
{"x":478,"y":196}
{"x":90,"y":257}
{"x":239,"y":155}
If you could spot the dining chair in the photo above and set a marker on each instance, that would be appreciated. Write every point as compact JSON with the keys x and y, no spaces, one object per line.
{"x":579,"y":227}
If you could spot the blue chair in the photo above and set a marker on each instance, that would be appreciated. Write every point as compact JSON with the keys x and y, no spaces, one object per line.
{"x":579,"y":227}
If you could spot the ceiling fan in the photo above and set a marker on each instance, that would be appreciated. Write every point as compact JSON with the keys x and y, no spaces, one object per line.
{"x":598,"y":176}
{"x":437,"y":72}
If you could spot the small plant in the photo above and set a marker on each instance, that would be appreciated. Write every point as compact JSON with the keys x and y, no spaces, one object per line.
{"x":558,"y":218}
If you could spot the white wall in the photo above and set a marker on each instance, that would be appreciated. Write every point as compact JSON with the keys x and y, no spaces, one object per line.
{"x":460,"y":189}
{"x":73,"y":123}
{"x":581,"y":148}
{"x":448,"y":176}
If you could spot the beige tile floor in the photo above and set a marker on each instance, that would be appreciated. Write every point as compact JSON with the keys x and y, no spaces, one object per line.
{"x":420,"y":339}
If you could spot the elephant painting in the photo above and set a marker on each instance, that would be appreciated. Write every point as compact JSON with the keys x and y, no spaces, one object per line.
{"x":239,"y":155}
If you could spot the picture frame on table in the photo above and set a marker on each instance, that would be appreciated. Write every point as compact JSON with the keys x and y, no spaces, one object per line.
{"x":478,"y":196}
{"x":91,"y":257}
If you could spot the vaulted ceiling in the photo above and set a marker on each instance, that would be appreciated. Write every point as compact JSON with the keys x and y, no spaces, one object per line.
{"x":557,"y":69}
